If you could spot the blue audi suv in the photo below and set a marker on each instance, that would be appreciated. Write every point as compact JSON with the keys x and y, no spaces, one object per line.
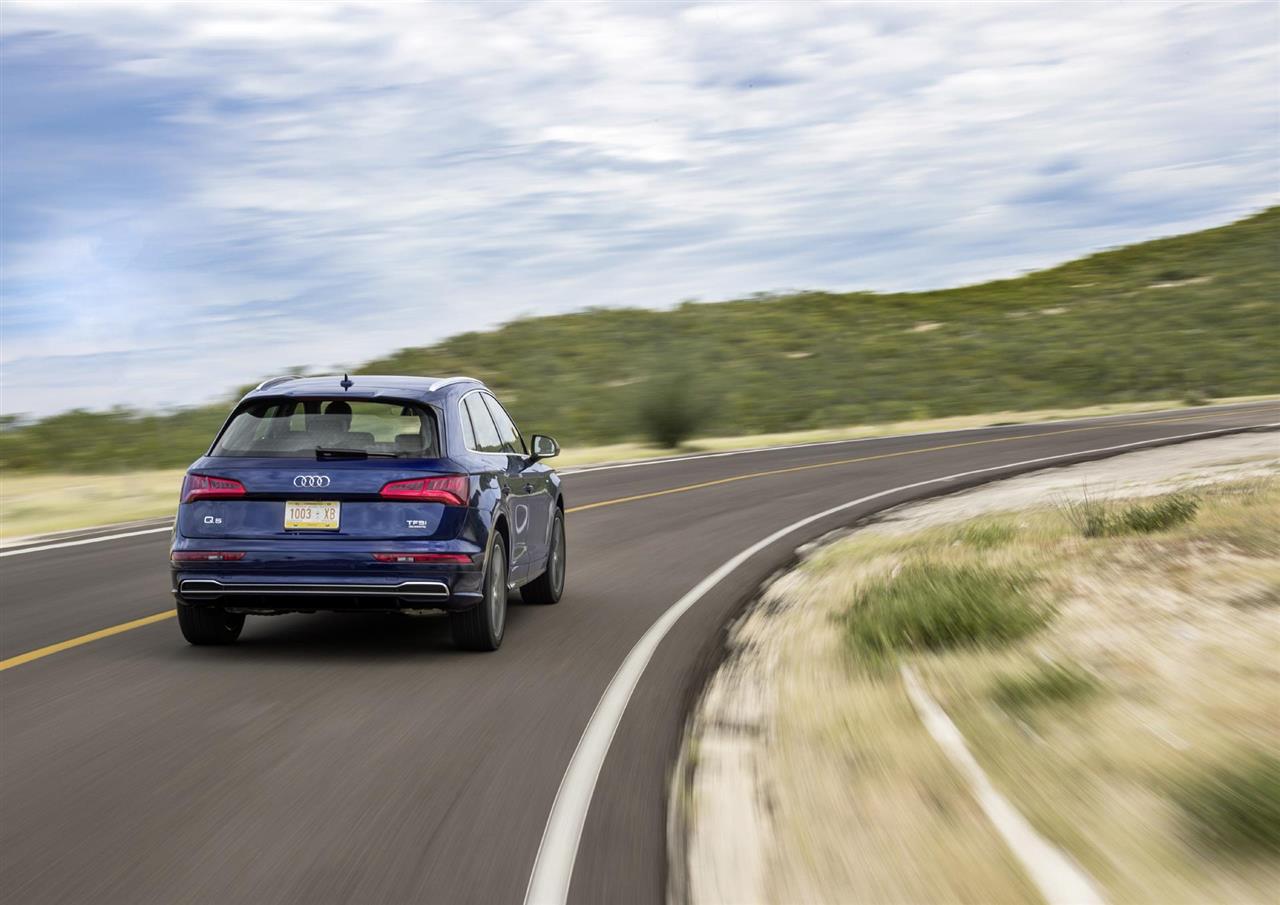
{"x":368,"y":494}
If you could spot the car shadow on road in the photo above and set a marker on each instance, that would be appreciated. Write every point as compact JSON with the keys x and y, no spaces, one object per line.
{"x":370,"y":637}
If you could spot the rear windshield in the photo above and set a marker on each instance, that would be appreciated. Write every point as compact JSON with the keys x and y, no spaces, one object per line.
{"x":296,"y":428}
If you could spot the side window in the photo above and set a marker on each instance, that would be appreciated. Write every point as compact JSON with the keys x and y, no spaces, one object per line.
{"x":468,"y":435}
{"x":511,"y":440}
{"x":487,"y":439}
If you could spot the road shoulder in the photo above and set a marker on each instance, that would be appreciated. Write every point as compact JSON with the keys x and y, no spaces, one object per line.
{"x":802,"y":778}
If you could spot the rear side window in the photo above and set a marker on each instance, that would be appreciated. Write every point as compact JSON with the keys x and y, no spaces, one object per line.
{"x":511,"y":440}
{"x":468,"y":433}
{"x":486,"y":432}
{"x":296,"y":428}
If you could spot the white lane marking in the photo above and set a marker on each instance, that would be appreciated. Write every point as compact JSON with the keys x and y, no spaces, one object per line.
{"x":50,"y":537}
{"x":88,"y":540}
{"x":553,"y":865}
{"x":664,"y":460}
{"x":1057,"y":877}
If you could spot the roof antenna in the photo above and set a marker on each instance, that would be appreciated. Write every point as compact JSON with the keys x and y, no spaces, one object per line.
{"x":346,"y":383}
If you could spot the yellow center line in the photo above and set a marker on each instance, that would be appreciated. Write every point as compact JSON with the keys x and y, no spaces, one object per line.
{"x":906,"y":452}
{"x":84,"y":639}
{"x":42,"y":652}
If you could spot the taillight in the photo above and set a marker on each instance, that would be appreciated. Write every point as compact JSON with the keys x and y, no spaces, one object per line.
{"x":204,"y":556}
{"x":462,"y":559}
{"x":204,"y":487}
{"x":450,"y":489}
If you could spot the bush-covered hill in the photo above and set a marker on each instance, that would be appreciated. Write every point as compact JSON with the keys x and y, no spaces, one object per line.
{"x":1191,"y":316}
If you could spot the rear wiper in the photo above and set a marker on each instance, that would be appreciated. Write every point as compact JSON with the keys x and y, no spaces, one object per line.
{"x":323,"y":453}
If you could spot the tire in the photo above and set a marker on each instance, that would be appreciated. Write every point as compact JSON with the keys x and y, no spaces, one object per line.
{"x":482,"y":626}
{"x":209,"y":624}
{"x":547,"y":588}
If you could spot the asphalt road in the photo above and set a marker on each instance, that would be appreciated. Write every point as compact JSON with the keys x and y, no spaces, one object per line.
{"x":346,"y":758}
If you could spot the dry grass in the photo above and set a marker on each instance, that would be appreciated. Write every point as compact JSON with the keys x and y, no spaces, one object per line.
{"x":1162,"y":677}
{"x":864,"y":807}
{"x":1129,"y":729}
{"x":37,"y":504}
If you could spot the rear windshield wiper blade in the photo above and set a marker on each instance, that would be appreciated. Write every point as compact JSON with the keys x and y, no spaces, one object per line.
{"x":323,"y":453}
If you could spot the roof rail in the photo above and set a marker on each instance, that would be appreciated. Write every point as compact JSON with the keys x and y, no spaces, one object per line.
{"x":272,"y":381}
{"x":446,"y":381}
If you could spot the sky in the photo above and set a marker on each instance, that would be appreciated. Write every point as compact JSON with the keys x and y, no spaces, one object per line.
{"x":198,"y":195}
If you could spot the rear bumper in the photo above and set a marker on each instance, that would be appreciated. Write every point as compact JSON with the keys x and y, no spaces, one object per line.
{"x":197,"y":588}
{"x":285,"y":594}
{"x":271,"y":576}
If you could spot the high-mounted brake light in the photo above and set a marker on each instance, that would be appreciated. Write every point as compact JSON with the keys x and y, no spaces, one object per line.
{"x":462,"y":559}
{"x":204,"y":487}
{"x":450,"y":489}
{"x":204,"y":556}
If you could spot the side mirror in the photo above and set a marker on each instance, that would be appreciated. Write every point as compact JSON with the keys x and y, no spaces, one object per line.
{"x":544,"y":448}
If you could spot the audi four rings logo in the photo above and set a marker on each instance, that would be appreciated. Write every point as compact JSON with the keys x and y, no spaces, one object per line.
{"x":311,"y":480}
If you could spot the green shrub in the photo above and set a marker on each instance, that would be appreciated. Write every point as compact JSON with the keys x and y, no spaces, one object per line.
{"x":670,"y":410}
{"x":926,"y":606}
{"x":1165,"y":513}
{"x":986,"y":535}
{"x":1098,"y":518}
{"x":1235,"y":808}
{"x":1048,"y":684}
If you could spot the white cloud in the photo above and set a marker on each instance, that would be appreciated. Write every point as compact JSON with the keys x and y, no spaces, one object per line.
{"x":350,"y":178}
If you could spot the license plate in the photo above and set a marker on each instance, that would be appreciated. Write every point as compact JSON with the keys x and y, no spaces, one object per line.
{"x":312,"y":514}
